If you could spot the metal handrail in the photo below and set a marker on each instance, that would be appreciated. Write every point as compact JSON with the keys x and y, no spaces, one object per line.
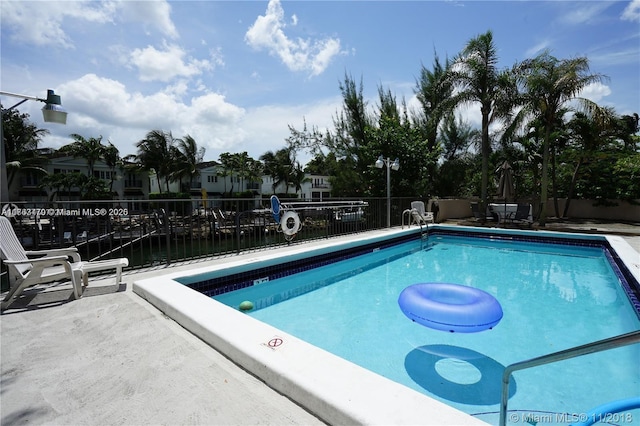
{"x":407,"y":213}
{"x":589,"y":348}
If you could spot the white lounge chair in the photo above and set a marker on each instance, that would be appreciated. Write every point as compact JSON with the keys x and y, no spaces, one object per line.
{"x":419,"y":214}
{"x":48,"y":265}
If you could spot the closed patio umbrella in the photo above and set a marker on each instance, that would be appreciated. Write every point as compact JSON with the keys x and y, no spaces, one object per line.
{"x":506,"y":188}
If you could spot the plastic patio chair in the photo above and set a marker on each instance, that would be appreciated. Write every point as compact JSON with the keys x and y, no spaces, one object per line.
{"x":419,"y":214}
{"x":48,"y":265}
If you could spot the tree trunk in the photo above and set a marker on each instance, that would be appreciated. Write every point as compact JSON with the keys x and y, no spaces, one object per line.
{"x":572,"y":187}
{"x":544,"y":180}
{"x":485,"y":160}
{"x":554,"y":185}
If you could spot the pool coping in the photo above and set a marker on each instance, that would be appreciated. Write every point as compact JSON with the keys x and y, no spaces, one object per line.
{"x":334,"y":389}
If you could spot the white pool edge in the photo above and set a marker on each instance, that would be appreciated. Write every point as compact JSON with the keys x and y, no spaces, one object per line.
{"x":335,"y":390}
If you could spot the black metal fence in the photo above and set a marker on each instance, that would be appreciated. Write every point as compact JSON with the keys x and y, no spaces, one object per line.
{"x":155,"y":232}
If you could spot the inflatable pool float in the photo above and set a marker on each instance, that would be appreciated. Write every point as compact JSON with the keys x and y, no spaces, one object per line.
{"x":609,"y":412}
{"x":450,"y":307}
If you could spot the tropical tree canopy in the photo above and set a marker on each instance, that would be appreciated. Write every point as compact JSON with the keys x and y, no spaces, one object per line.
{"x":156,"y":153}
{"x":478,"y":80}
{"x":21,"y":138}
{"x":547,"y":85}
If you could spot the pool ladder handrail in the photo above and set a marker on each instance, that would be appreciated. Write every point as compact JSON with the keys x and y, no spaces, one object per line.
{"x":408,"y":213}
{"x":589,"y":348}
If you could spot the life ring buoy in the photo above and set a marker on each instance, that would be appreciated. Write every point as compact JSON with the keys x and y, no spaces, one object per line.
{"x":290,"y":223}
{"x":450,"y":307}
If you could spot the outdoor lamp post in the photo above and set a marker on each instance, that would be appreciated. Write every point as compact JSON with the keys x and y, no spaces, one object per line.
{"x":390,"y":166}
{"x":52,"y":112}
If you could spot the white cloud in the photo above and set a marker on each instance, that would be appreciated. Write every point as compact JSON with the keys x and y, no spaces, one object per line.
{"x":101,"y":106}
{"x":166,"y":64}
{"x":216,"y":56}
{"x":151,"y":14}
{"x":584,"y":12}
{"x":267,"y":33}
{"x":595,"y":92}
{"x":538,"y":48}
{"x":42,"y":23}
{"x":613,"y":57}
{"x":632,"y":11}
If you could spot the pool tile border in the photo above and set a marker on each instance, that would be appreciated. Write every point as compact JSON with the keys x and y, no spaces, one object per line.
{"x":226,"y":283}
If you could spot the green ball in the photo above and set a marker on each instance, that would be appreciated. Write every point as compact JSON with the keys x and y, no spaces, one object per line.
{"x":246,"y":305}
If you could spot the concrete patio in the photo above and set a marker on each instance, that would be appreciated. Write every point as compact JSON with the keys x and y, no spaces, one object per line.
{"x":112,"y":358}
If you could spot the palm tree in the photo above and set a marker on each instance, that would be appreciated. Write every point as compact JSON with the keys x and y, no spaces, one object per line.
{"x":155,"y":154}
{"x":476,"y":75}
{"x":278,"y":166}
{"x":269,"y":167}
{"x":227,"y":168}
{"x":188,"y":157}
{"x":242,"y":161}
{"x":112,"y":158}
{"x":56,"y":182}
{"x":588,"y":132}
{"x":298,"y":177}
{"x":21,"y":139}
{"x":433,"y":90}
{"x":255,"y":170}
{"x":90,"y":149}
{"x":548,"y":84}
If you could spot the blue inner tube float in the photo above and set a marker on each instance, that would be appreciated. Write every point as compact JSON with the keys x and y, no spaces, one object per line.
{"x":603,"y":413}
{"x":450,"y":307}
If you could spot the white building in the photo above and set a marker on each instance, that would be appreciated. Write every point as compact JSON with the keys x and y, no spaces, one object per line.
{"x":125,"y":185}
{"x":209,"y":182}
{"x":313,"y":188}
{"x":131,"y":186}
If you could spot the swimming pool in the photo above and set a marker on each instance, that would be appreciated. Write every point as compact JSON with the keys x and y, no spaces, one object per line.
{"x":555,"y":297}
{"x":413,"y":344}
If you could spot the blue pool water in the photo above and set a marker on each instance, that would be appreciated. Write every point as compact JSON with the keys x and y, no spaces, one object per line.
{"x":553,"y":297}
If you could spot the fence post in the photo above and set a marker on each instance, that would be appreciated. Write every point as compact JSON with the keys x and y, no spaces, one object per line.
{"x":167,"y":230}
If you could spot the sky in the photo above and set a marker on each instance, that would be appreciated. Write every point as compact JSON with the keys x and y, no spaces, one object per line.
{"x":236,"y":74}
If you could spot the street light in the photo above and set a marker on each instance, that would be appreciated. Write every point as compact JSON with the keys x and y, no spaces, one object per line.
{"x":390,"y":166}
{"x":52,"y":112}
